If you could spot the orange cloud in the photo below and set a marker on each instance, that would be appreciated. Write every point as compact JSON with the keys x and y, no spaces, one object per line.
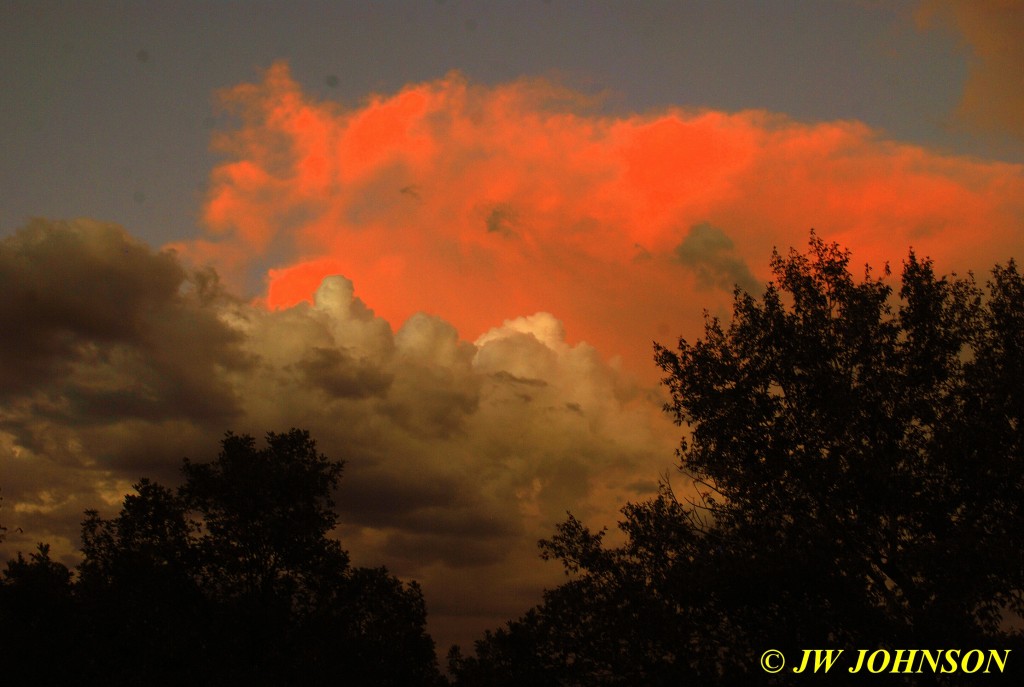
{"x":481,"y":204}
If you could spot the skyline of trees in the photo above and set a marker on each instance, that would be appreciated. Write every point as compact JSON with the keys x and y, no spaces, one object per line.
{"x":231,"y":579}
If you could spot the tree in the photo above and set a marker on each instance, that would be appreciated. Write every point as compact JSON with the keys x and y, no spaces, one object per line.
{"x":234,"y":579}
{"x":37,"y":617}
{"x":857,"y":464}
{"x":266,"y":513}
{"x":371,"y":629}
{"x":141,"y":592}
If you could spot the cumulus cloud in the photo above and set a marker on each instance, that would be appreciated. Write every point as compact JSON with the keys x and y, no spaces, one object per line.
{"x":483,"y":203}
{"x":459,"y":455}
{"x":993,"y":97}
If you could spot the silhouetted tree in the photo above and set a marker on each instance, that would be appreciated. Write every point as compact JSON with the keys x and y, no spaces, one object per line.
{"x":266,"y":513}
{"x":140,"y":590}
{"x":37,"y":618}
{"x":264,"y":548}
{"x":858,"y":465}
{"x":370,"y":630}
{"x":233,"y":579}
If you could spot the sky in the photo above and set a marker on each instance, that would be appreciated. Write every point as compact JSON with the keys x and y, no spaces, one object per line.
{"x":442,"y":236}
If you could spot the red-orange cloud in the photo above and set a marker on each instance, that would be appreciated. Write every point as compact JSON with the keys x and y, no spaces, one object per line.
{"x":481,"y":204}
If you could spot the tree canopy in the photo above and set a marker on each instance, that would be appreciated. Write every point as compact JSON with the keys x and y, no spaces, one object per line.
{"x":232,"y":579}
{"x":851,"y":478}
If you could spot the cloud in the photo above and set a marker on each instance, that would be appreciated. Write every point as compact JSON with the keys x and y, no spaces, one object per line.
{"x":336,"y":375}
{"x":97,"y":326}
{"x":459,"y":455}
{"x":500,"y":221}
{"x":483,"y":203}
{"x":993,"y":98}
{"x":113,"y":360}
{"x":712,"y":257}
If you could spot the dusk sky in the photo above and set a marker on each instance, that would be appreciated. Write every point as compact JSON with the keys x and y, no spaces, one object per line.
{"x":443,"y":235}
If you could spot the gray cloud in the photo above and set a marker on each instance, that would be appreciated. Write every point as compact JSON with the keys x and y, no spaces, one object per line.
{"x":456,"y":552}
{"x":500,"y":221}
{"x":67,"y":285}
{"x":113,"y":361}
{"x":339,"y":376}
{"x":710,"y":254}
{"x":103,"y":327}
{"x":458,"y":455}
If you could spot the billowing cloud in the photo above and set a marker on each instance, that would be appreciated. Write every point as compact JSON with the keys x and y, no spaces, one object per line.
{"x":112,"y":361}
{"x":481,"y":203}
{"x":993,"y":97}
{"x":70,"y":287}
{"x":459,"y":455}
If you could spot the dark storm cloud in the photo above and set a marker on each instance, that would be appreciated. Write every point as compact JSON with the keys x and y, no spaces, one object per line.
{"x":119,"y":363}
{"x":432,"y":504}
{"x":456,"y":552}
{"x":426,"y":405}
{"x":66,"y":285}
{"x":374,"y":498}
{"x":113,"y":361}
{"x":437,"y":390}
{"x":340,"y":376}
{"x":710,"y":254}
{"x":104,"y":327}
{"x":503,"y":376}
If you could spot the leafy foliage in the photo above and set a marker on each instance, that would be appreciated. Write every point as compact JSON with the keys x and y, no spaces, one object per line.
{"x":230,"y":580}
{"x":37,"y":616}
{"x":266,"y":513}
{"x":855,"y":457}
